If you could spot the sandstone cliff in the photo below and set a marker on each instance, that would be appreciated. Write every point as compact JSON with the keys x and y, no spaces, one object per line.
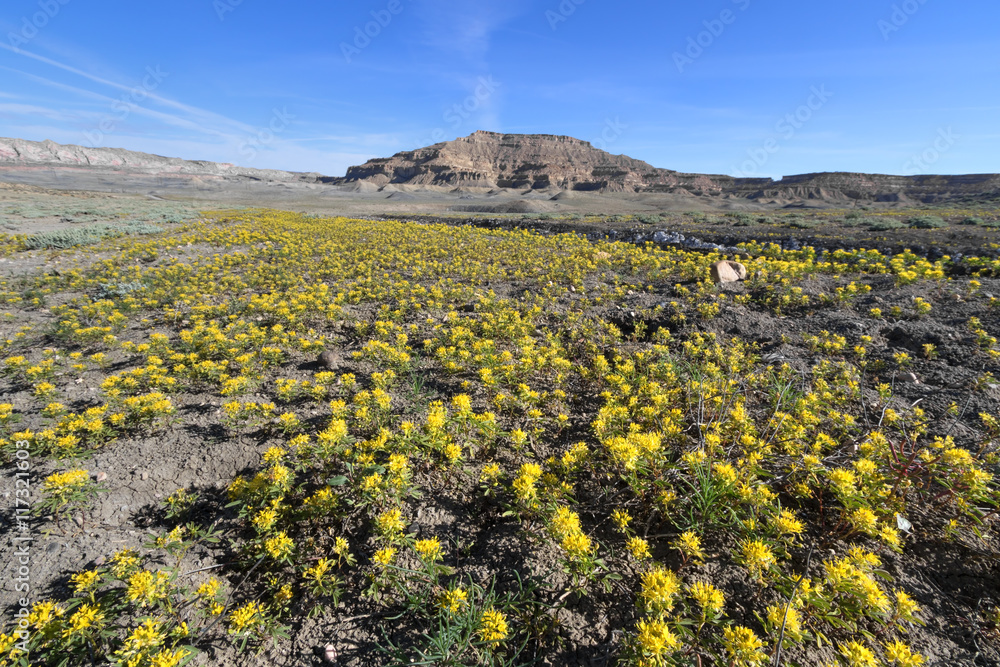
{"x":520,"y":161}
{"x":541,"y":161}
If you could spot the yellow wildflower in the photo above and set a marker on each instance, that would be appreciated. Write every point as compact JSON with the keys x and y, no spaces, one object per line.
{"x":492,"y":626}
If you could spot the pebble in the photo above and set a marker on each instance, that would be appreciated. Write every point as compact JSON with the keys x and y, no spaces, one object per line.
{"x":144,"y":475}
{"x":101,"y":476}
{"x":330,"y":654}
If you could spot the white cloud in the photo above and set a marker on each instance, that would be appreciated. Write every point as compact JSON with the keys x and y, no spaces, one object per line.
{"x":35,"y":111}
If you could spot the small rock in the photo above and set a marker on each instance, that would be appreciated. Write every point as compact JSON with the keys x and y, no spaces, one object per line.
{"x":910,"y":378}
{"x":101,"y":476}
{"x":78,"y":520}
{"x":330,"y":654}
{"x":144,"y":475}
{"x":330,"y":359}
{"x":727,"y":272}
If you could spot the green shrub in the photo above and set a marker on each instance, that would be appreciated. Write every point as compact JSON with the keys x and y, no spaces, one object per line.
{"x":801,"y":223}
{"x":742,"y":219}
{"x":649,"y":218}
{"x":854,"y":215}
{"x":884,"y":225}
{"x":927,"y":222}
{"x":112,"y":290}
{"x":971,"y":220}
{"x":68,"y":238}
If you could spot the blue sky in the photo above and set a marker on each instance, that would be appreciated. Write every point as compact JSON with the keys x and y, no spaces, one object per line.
{"x":745,"y":87}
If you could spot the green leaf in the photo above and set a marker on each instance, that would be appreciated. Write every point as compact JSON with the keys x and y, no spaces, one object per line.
{"x":339,"y":480}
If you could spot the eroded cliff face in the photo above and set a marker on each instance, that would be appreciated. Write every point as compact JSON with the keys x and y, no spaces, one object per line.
{"x":519,"y":161}
{"x":536,"y":161}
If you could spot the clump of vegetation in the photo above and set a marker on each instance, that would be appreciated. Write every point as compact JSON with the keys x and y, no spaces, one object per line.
{"x":927,"y":222}
{"x":68,"y":238}
{"x":971,"y":220}
{"x":118,"y":289}
{"x":649,"y":218}
{"x":743,"y":219}
{"x":884,"y":225}
{"x":801,"y":223}
{"x":66,"y":492}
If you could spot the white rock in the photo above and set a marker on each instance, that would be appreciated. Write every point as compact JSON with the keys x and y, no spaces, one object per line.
{"x":727,"y":272}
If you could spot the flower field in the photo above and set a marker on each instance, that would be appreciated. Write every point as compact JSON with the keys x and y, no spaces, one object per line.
{"x":262,"y":437}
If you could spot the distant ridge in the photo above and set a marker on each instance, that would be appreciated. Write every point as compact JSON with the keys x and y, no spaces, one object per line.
{"x":491,"y":163}
{"x":22,"y":152}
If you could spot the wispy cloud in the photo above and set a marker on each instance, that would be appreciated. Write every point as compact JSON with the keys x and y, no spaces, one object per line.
{"x":202,"y":117}
{"x":32,"y":110}
{"x":175,"y":128}
{"x":467,"y":29}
